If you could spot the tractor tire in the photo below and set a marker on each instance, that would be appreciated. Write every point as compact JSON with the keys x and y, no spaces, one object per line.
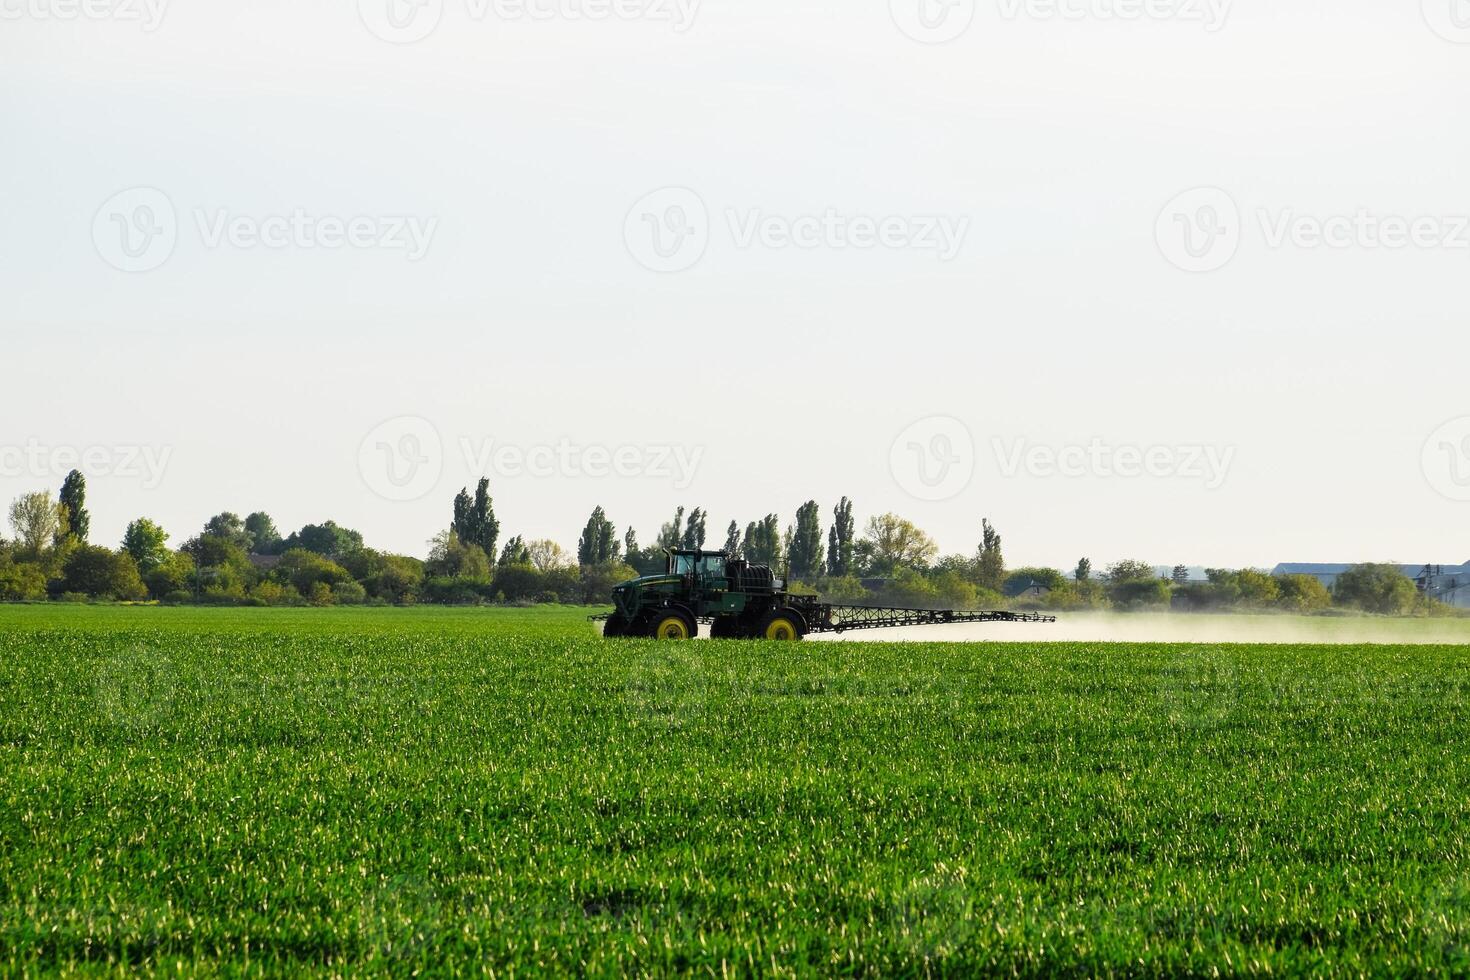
{"x":671,"y":624}
{"x":784,"y":625}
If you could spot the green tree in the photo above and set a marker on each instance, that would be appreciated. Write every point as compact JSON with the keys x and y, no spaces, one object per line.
{"x":807,"y":553}
{"x":894,"y":543}
{"x":762,"y":544}
{"x":388,"y":578}
{"x":449,"y":557}
{"x":36,"y":520}
{"x":671,"y":535}
{"x":1257,"y":588}
{"x":732,"y":540}
{"x":546,"y":555}
{"x":515,"y":552}
{"x":147,"y":543}
{"x":1302,"y":593}
{"x":229,"y":527}
{"x":324,"y":539}
{"x":74,"y":499}
{"x":694,"y":530}
{"x":22,"y":582}
{"x":102,"y":573}
{"x":1139,"y":593}
{"x":474,"y":520}
{"x":264,"y":538}
{"x":840,"y":540}
{"x":599,"y":541}
{"x":1376,"y":588}
{"x":1181,"y":574}
{"x":990,"y":565}
{"x":1129,"y":570}
{"x":174,"y":575}
{"x":307,"y":569}
{"x":598,"y":580}
{"x":1084,"y":570}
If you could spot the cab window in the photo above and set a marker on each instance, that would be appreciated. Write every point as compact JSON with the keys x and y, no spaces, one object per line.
{"x":712,"y":566}
{"x":683,"y":564}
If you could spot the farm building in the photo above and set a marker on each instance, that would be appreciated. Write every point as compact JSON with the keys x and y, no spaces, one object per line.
{"x":1449,"y":584}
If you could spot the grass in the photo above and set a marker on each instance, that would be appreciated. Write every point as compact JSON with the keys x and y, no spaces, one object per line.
{"x":471,"y":791}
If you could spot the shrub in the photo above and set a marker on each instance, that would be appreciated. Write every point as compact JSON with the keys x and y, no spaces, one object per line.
{"x":1302,"y":593}
{"x":1141,"y":594}
{"x":22,"y":583}
{"x":305,"y":570}
{"x":458,"y":591}
{"x":349,"y":593}
{"x":275,"y":594}
{"x":174,"y":575}
{"x":101,"y":572}
{"x":1376,"y":589}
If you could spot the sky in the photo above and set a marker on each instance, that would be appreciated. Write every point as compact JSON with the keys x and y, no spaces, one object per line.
{"x":1173,"y":280}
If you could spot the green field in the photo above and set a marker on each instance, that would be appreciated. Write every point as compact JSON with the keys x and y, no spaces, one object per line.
{"x":502,"y":792}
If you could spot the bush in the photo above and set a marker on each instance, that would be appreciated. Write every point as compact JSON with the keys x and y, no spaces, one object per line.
{"x":387,"y":578}
{"x":101,"y":572}
{"x":458,"y":591}
{"x":1379,"y":589}
{"x":22,"y":583}
{"x":305,"y":570}
{"x":519,"y":582}
{"x":173,"y":575}
{"x":1141,"y":594}
{"x":349,"y":593}
{"x":178,"y":597}
{"x":77,"y":597}
{"x":598,"y":580}
{"x":1302,"y":594}
{"x":275,"y":594}
{"x":843,"y":588}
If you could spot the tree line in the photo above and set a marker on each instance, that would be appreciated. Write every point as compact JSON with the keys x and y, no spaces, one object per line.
{"x":248,"y":561}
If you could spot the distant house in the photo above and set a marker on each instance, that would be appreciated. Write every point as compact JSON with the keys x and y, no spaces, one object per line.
{"x":1449,"y":584}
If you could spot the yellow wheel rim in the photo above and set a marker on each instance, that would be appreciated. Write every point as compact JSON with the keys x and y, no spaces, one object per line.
{"x":672,"y":628}
{"x":781,"y":628}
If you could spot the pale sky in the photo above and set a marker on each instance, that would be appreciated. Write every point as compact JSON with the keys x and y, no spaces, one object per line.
{"x":1068,"y":269}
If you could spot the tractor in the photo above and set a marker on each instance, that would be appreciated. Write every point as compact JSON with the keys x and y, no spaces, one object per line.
{"x":741,"y":600}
